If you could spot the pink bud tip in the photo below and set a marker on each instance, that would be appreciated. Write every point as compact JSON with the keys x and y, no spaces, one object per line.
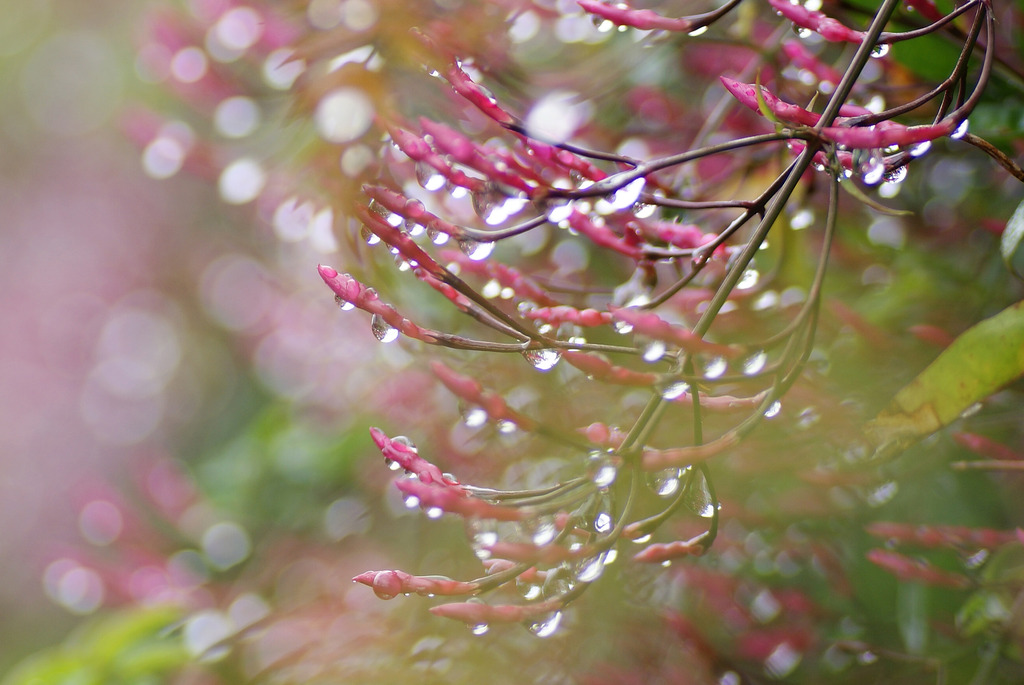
{"x":326,"y":272}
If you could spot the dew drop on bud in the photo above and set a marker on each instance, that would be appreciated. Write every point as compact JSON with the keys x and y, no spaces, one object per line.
{"x":921,"y":148}
{"x":344,"y":304}
{"x":405,"y":442}
{"x":602,"y":469}
{"x":754,"y":363}
{"x":475,"y":250}
{"x":483,"y":536}
{"x":382,"y":330}
{"x":548,"y":626}
{"x":436,"y":236}
{"x":411,"y":502}
{"x":429,"y":177}
{"x":369,"y":236}
{"x":480,"y":628}
{"x":543,"y":359}
{"x":715,"y":367}
{"x":392,"y":464}
{"x":434,"y":512}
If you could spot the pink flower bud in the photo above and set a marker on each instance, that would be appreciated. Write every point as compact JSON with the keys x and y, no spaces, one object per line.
{"x":659,"y":552}
{"x":409,"y":459}
{"x":653,"y":326}
{"x":827,"y":27}
{"x":645,"y":20}
{"x":475,"y":613}
{"x":390,"y":584}
{"x":455,"y":500}
{"x":746,"y":93}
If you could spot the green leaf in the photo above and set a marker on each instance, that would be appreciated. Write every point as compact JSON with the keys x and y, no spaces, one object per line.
{"x":1009,"y":245}
{"x":979,"y":362}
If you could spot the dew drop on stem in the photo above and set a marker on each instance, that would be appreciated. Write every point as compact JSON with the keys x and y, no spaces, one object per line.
{"x":602,"y":469}
{"x":674,"y":391}
{"x":654,"y":351}
{"x":382,"y":330}
{"x":715,"y":367}
{"x":960,"y":131}
{"x":880,"y":50}
{"x":773,"y":410}
{"x":475,"y":250}
{"x":544,"y":531}
{"x":590,"y":569}
{"x":698,"y":496}
{"x":753,"y":364}
{"x":543,"y":359}
{"x":665,"y":483}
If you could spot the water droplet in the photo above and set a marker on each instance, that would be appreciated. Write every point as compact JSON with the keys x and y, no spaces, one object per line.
{"x":754,"y":363}
{"x":807,"y":417}
{"x":603,"y":522}
{"x":782,"y":661}
{"x":485,"y":201}
{"x":715,"y":367}
{"x":559,"y":211}
{"x":628,"y":194}
{"x":590,"y":569}
{"x":543,"y":359}
{"x":643,"y":210}
{"x":866,"y":658}
{"x":483,"y":536}
{"x":698,"y":32}
{"x":642,"y":540}
{"x":882,"y":494}
{"x":429,"y":177}
{"x":344,"y":304}
{"x":960,"y":131}
{"x":623,"y":328}
{"x":977,"y":559}
{"x":382,"y":330}
{"x":873,"y":169}
{"x":880,"y":50}
{"x":547,"y":627}
{"x":748,"y":280}
{"x":665,"y":482}
{"x":897,"y":175}
{"x":921,"y":148}
{"x":480,"y":628}
{"x":506,"y":427}
{"x":675,"y":390}
{"x":698,"y":495}
{"x":437,"y":237}
{"x":491,"y":289}
{"x":544,"y":532}
{"x":475,"y":250}
{"x":654,"y":351}
{"x":474,"y":417}
{"x":392,"y":464}
{"x":411,"y":501}
{"x":602,"y":469}
{"x":802,"y":32}
{"x":773,"y":411}
{"x":530,"y":591}
{"x":369,"y":236}
{"x":434,"y":512}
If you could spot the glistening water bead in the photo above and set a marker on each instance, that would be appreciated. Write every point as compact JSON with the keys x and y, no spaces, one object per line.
{"x":382,"y":330}
{"x":475,"y":250}
{"x":543,"y":359}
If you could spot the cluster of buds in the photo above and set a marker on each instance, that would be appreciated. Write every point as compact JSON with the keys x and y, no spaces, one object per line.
{"x":675,"y":259}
